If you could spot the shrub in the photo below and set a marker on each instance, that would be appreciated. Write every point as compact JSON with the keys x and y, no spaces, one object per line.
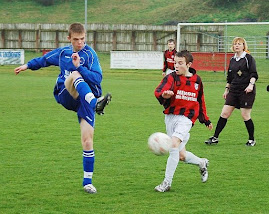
{"x":46,"y":2}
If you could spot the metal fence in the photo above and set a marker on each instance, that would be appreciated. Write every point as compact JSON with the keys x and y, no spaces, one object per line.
{"x":217,"y":37}
{"x":257,"y":45}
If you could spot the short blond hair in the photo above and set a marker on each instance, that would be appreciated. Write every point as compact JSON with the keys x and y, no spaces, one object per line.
{"x":239,"y":39}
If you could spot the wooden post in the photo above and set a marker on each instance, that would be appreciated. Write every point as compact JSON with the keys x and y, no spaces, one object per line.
{"x":114,"y":42}
{"x":199,"y":41}
{"x":3,"y":38}
{"x":154,"y":40}
{"x":94,"y":40}
{"x":133,"y":41}
{"x":57,"y":39}
{"x":37,"y":35}
{"x":20,"y":40}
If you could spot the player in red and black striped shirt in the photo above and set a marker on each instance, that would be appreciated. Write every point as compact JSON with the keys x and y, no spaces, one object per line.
{"x":169,"y":55}
{"x":181,"y":94}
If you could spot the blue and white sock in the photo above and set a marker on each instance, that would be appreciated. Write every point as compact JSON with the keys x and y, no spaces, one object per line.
{"x":85,"y":91}
{"x":88,"y":166}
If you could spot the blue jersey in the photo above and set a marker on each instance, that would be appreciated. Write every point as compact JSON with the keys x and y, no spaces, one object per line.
{"x":89,"y":68}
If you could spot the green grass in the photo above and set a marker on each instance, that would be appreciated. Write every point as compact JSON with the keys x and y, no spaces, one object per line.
{"x":127,"y":12}
{"x":249,"y":30}
{"x":41,"y":170}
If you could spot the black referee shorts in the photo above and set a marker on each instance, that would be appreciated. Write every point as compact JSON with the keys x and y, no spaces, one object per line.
{"x":241,"y":99}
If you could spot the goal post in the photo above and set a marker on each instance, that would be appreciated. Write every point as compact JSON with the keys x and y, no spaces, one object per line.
{"x":211,"y":42}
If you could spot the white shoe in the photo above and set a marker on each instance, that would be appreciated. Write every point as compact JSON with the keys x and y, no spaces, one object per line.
{"x":203,"y":169}
{"x":163,"y":187}
{"x":89,"y":188}
{"x":251,"y":143}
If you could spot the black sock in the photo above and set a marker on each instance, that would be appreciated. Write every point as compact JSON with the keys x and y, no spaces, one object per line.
{"x":221,"y":124}
{"x":250,"y":127}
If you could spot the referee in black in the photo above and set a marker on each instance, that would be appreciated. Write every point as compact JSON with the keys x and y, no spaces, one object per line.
{"x":240,"y":90}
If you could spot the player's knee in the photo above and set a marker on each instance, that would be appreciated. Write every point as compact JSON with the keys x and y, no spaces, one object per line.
{"x":182,"y":156}
{"x":245,"y":117}
{"x":75,"y":74}
{"x":87,"y":143}
{"x":175,"y":142}
{"x":225,"y":114}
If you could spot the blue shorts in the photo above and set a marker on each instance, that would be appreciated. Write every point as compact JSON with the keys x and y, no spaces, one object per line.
{"x":80,"y":105}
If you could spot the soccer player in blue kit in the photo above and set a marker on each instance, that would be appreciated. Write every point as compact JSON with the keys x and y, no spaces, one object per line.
{"x":78,"y":88}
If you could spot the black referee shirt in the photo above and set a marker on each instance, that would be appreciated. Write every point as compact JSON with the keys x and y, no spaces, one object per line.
{"x":240,"y":72}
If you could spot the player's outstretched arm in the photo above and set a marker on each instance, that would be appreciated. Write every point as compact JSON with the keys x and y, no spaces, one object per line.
{"x":20,"y":68}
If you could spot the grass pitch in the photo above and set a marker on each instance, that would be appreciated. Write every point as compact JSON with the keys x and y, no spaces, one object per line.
{"x":41,"y":170}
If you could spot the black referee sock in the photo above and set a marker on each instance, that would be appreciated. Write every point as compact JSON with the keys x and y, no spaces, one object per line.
{"x":250,"y":127}
{"x":221,"y":124}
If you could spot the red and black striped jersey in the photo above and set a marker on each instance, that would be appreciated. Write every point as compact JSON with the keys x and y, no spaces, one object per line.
{"x":188,"y":98}
{"x":169,"y":60}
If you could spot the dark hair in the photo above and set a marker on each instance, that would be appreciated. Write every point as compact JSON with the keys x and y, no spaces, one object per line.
{"x":76,"y":28}
{"x":186,"y":54}
{"x":170,"y":40}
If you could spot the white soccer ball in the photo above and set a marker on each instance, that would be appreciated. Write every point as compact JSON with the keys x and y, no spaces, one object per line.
{"x":159,"y":143}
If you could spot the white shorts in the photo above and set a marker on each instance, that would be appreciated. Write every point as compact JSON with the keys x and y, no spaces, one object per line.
{"x":178,"y":126}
